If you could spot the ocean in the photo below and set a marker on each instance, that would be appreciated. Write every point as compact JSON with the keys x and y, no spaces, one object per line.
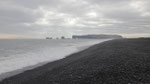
{"x":16,"y":54}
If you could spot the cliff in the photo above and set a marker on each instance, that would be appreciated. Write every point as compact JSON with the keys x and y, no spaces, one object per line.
{"x":101,"y":36}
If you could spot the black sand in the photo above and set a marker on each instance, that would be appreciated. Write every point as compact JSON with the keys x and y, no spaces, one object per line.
{"x":124,"y":61}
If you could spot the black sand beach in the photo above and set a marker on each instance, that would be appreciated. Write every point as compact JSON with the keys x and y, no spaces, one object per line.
{"x":122,"y":61}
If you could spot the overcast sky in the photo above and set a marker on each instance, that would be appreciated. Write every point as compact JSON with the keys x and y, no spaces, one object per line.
{"x":41,"y":18}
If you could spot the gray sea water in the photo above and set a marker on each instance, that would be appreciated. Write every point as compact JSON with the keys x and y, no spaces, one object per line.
{"x":17,"y":54}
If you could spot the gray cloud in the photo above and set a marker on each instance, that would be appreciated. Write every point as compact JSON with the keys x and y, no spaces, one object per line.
{"x":40,"y":18}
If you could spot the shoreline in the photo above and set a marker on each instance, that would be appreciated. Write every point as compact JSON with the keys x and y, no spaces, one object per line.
{"x":22,"y":70}
{"x":116,"y":61}
{"x":18,"y":71}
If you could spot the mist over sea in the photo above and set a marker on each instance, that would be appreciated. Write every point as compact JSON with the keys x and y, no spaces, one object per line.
{"x":20,"y":53}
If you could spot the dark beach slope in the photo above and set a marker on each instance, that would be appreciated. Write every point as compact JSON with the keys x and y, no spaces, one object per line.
{"x":124,"y":61}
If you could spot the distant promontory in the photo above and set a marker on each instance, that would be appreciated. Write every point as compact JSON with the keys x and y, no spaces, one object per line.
{"x":96,"y":36}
